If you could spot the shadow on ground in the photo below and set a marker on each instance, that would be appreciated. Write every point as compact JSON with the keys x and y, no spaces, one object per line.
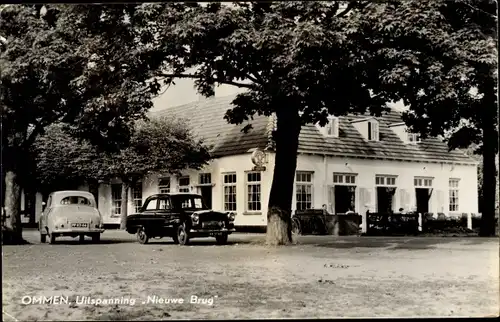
{"x":400,"y":243}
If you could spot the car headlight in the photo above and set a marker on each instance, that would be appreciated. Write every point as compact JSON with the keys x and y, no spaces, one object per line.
{"x":231,"y":216}
{"x":195,"y":217}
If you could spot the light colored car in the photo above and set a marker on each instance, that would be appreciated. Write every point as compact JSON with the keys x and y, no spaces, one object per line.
{"x":70,"y":213}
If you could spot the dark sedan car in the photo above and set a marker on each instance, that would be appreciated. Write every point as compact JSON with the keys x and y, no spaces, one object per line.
{"x":181,"y":216}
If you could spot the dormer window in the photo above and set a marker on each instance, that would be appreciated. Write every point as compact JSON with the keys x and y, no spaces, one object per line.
{"x":405,"y":134}
{"x":413,"y":137}
{"x":373,"y":131}
{"x":332,"y":128}
{"x":368,"y":128}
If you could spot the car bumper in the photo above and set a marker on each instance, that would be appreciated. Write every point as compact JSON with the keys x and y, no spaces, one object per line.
{"x":212,"y":231}
{"x":78,"y":231}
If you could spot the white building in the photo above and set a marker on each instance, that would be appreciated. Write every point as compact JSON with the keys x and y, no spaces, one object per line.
{"x":356,"y":162}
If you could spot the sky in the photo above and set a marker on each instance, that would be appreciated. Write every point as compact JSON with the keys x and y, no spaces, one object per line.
{"x":183,"y":92}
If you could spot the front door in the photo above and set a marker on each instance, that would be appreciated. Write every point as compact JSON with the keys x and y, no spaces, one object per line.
{"x":422,"y":196}
{"x":385,"y":197}
{"x":206,"y":194}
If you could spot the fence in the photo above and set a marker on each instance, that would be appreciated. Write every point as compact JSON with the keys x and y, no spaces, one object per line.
{"x":384,"y":224}
{"x":387,"y":224}
{"x":319,"y":222}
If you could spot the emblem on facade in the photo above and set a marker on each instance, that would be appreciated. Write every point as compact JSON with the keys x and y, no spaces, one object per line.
{"x":259,"y":159}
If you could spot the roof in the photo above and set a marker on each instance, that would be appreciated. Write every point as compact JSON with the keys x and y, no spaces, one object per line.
{"x":206,"y":118}
{"x":57,"y":196}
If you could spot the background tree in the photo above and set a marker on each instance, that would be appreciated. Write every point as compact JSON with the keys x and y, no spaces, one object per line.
{"x":81,"y":65}
{"x":157,"y":145}
{"x":441,"y":59}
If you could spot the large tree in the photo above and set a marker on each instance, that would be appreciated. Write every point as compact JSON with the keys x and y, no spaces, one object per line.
{"x":81,"y":65}
{"x":157,"y":145}
{"x":304,"y":60}
{"x":441,"y":58}
{"x":295,"y":60}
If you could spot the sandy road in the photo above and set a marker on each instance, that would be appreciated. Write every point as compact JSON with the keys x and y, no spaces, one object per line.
{"x":321,"y":276}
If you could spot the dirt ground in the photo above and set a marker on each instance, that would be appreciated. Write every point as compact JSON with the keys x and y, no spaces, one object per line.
{"x":319,"y":277}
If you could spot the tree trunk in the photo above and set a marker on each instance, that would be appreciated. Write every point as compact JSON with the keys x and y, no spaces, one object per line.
{"x":124,"y":206}
{"x":279,"y":228}
{"x":488,"y":228}
{"x":12,"y":203}
{"x":94,"y":190}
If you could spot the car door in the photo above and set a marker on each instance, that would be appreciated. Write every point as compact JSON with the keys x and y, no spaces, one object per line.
{"x":166,"y":211}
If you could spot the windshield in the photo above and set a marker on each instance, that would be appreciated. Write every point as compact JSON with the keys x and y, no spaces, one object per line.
{"x":188,"y":202}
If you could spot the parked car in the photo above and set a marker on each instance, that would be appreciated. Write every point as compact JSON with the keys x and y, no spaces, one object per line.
{"x":180,"y":216}
{"x":70,"y":213}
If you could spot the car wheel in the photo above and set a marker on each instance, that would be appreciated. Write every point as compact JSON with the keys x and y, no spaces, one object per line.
{"x":142,"y":236}
{"x":52,"y":239}
{"x":221,"y":239}
{"x":43,"y":237}
{"x":296,"y":227}
{"x":96,"y":238}
{"x":82,"y":238}
{"x":182,"y":235}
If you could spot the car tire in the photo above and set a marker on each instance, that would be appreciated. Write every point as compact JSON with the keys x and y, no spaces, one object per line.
{"x":221,"y":239}
{"x":142,"y":236}
{"x":82,"y":238}
{"x":52,"y":239}
{"x":182,"y":235}
{"x":96,"y":238}
{"x":43,"y":238}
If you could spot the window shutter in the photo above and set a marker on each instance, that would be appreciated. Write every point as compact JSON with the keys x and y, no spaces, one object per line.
{"x":331,"y":199}
{"x":365,"y":196}
{"x":404,"y":199}
{"x":362,"y":200}
{"x":440,"y":200}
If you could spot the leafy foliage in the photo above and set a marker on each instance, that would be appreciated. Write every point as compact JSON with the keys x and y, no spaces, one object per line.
{"x":440,"y":59}
{"x":157,"y":145}
{"x":82,"y":65}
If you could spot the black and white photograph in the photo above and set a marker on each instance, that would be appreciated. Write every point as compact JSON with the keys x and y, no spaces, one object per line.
{"x":249,"y":160}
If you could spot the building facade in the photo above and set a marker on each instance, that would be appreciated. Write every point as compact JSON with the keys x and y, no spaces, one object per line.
{"x":356,"y":163}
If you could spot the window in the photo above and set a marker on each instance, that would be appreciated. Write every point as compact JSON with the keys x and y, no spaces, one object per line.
{"x":229,"y":184}
{"x":205,"y":178}
{"x":423,"y":182}
{"x":253,"y":191}
{"x":164,"y":204}
{"x":184,"y":184}
{"x":332,"y":127}
{"x":164,"y":185}
{"x":151,"y":205}
{"x":344,"y":178}
{"x":385,"y":180}
{"x":413,"y":137}
{"x":304,"y":188}
{"x":187,"y":202}
{"x":453,"y":184}
{"x":373,"y":131}
{"x":137,"y":196}
{"x":116,"y":199}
